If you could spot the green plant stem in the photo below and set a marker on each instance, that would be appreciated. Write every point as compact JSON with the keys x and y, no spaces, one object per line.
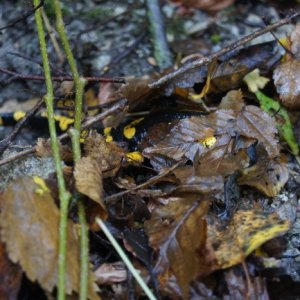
{"x":84,"y":252}
{"x":64,"y":195}
{"x":84,"y":238}
{"x":125,"y":259}
{"x":79,"y":81}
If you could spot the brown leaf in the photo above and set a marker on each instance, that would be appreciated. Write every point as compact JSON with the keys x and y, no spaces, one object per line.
{"x":29,"y":228}
{"x":43,"y":149}
{"x":246,"y":232}
{"x":268,"y":176}
{"x":287,"y":81}
{"x":179,"y":232}
{"x":110,"y":273}
{"x":250,"y":122}
{"x":88,"y":181}
{"x":10,"y":278}
{"x":107,"y":155}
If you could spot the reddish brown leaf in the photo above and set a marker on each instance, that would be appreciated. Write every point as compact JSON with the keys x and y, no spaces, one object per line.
{"x":209,"y":5}
{"x":29,"y":228}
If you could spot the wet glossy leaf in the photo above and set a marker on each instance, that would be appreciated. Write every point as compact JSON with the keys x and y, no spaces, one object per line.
{"x":268,"y":176}
{"x":246,"y":232}
{"x":178,"y":231}
{"x":29,"y":228}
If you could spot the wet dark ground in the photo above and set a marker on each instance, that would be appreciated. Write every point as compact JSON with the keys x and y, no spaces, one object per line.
{"x":111,"y":38}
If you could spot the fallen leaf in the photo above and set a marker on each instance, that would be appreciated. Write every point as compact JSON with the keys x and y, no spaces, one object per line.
{"x":178,"y":231}
{"x":29,"y":228}
{"x":107,"y":155}
{"x":88,"y":181}
{"x":247,"y":231}
{"x":110,"y":273}
{"x":286,"y":79}
{"x":283,"y":121}
{"x":10,"y":278}
{"x":255,"y":81}
{"x":268,"y":176}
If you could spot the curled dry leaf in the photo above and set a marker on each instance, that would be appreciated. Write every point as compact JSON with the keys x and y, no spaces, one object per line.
{"x":107,"y":155}
{"x":29,"y":228}
{"x":88,"y":181}
{"x":179,"y":232}
{"x":110,"y":273}
{"x":246,"y":232}
{"x":268,"y":176}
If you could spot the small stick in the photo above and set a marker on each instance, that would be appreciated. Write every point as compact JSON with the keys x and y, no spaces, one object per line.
{"x":162,"y":53}
{"x":53,"y":39}
{"x":63,"y":136}
{"x":13,"y":23}
{"x":145,"y":184}
{"x":206,"y":60}
{"x":61,"y":78}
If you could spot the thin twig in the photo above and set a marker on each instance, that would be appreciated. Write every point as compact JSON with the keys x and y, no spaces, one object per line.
{"x":61,"y":78}
{"x":13,"y":23}
{"x":145,"y":184}
{"x":53,"y":68}
{"x":50,"y":30}
{"x":85,"y":125}
{"x":162,"y":53}
{"x":8,"y":140}
{"x":205,"y":60}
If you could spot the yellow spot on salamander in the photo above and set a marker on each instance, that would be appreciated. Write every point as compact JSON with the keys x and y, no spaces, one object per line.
{"x":42,"y":187}
{"x":18,"y":115}
{"x":129,"y":130}
{"x":107,"y":134}
{"x":135,"y":157}
{"x":64,"y":122}
{"x":208,"y":142}
{"x":1,"y":121}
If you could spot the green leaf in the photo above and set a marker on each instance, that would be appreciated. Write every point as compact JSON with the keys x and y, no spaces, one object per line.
{"x":285,"y":126}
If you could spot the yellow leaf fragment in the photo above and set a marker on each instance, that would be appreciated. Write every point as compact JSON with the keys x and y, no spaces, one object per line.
{"x":247,"y":231}
{"x":255,"y":81}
